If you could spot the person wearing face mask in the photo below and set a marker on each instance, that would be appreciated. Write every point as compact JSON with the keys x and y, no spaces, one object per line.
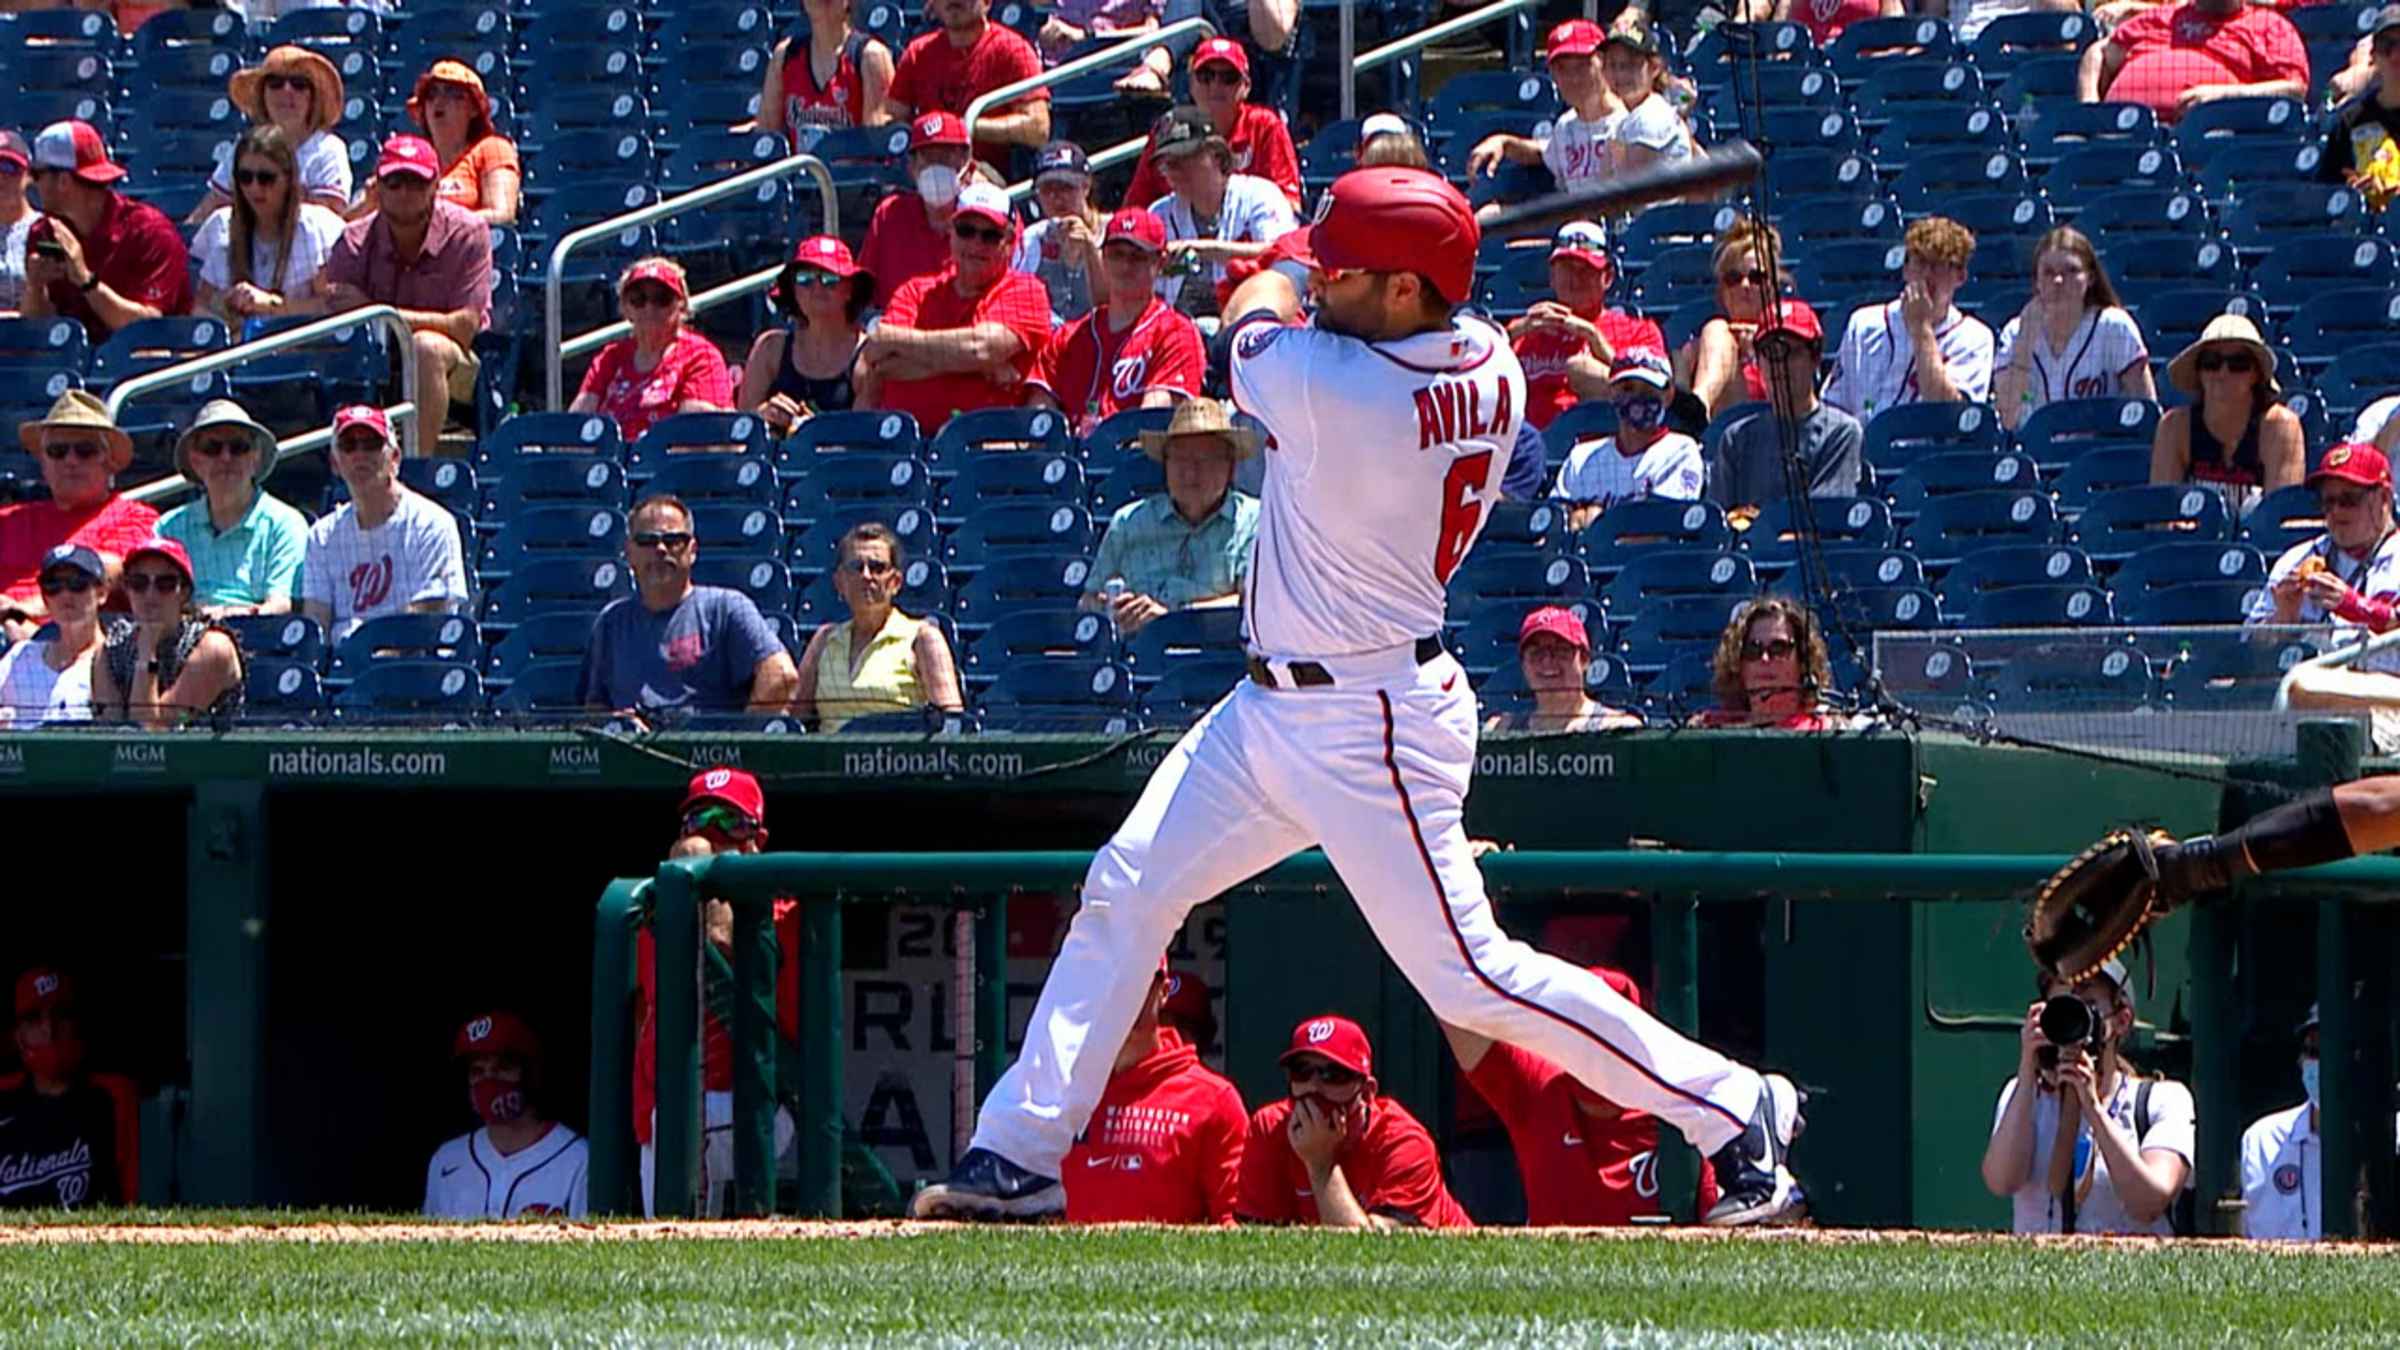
{"x":2348,"y":577}
{"x":2072,"y":339}
{"x":1918,"y":348}
{"x":966,"y":336}
{"x":2283,"y":1161}
{"x":909,"y":235}
{"x":69,"y":1138}
{"x":2081,"y":1142}
{"x":1643,"y":458}
{"x":1748,"y":469}
{"x":1569,"y":343}
{"x":2173,"y":58}
{"x":518,"y":1163}
{"x":665,"y":367}
{"x":1771,"y":671}
{"x":1337,"y":1153}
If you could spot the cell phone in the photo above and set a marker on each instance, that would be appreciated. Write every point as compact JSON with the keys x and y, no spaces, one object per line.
{"x":47,"y":248}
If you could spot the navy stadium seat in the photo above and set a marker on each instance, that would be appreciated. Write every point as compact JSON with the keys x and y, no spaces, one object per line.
{"x":1046,"y":528}
{"x":1952,"y":527}
{"x":1190,"y":688}
{"x":2229,"y":676}
{"x":1898,"y":435}
{"x":412,"y":693}
{"x":738,"y":527}
{"x":560,"y":636}
{"x":701,"y":478}
{"x":1880,"y":608}
{"x":276,"y":693}
{"x":553,"y":585}
{"x":1629,"y":529}
{"x":554,"y":479}
{"x":1043,"y":685}
{"x":1010,"y":584}
{"x":407,"y":637}
{"x":1051,"y":633}
{"x":2057,"y":432}
{"x":1959,"y":471}
{"x":2007,"y":42}
{"x":1675,"y":573}
{"x":2190,"y":602}
{"x":558,"y":531}
{"x":2044,"y":606}
{"x":672,"y":437}
{"x":544,"y":690}
{"x":1773,"y":539}
{"x":984,"y":430}
{"x":2007,"y":565}
{"x":1529,"y":575}
{"x":837,"y":482}
{"x":2071,"y":676}
{"x":817,"y":548}
{"x":2095,"y":472}
{"x":294,"y":638}
{"x":549,"y":433}
{"x":1185,"y":634}
{"x":988,"y":480}
{"x":2050,"y":129}
{"x":2116,"y":525}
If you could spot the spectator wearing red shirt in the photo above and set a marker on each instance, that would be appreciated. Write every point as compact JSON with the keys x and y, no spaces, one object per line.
{"x":1337,"y":1152}
{"x":858,"y":73}
{"x":81,"y":452}
{"x":1133,"y":350}
{"x":2175,"y":57}
{"x":965,"y":58}
{"x":1261,"y":143}
{"x":724,"y":811}
{"x":98,"y":256}
{"x":1585,"y":1161}
{"x":1567,"y":344}
{"x":1165,"y":1143}
{"x":1825,"y":19}
{"x":909,"y":235}
{"x":665,"y":367}
{"x":965,"y":337}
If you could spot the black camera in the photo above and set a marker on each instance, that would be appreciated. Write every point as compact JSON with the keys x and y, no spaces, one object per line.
{"x":2068,"y":1021}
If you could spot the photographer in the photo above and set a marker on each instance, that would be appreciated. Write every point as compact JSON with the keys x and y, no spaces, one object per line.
{"x":2095,"y":1148}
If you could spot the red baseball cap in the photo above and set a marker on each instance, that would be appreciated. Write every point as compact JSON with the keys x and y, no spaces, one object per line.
{"x":496,"y":1033}
{"x":2354,"y":462}
{"x":42,"y":987}
{"x":826,"y":254}
{"x":736,"y":788}
{"x":1559,"y":623}
{"x":362,"y":415}
{"x":1336,"y":1038}
{"x":14,"y":150}
{"x":1225,"y":50}
{"x":936,"y":128}
{"x":1138,"y":226}
{"x":409,"y":154}
{"x":1586,"y":241}
{"x":659,"y":270}
{"x":159,"y":546}
{"x":1397,"y":220}
{"x":1796,"y":319}
{"x":1576,"y":37}
{"x":76,"y":148}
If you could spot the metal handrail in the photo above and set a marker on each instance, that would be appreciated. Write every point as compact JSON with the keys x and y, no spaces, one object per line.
{"x":552,"y":319}
{"x":1090,"y":61}
{"x":403,"y":337}
{"x":1418,"y":41}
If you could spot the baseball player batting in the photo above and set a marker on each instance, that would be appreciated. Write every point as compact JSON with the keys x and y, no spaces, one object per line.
{"x":1391,"y":422}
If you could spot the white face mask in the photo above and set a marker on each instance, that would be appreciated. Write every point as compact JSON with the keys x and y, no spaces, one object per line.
{"x":937,"y":184}
{"x":2308,"y":1079}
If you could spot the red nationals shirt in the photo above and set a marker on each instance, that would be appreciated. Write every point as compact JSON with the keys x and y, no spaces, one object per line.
{"x":932,"y":74}
{"x":1392,"y":1170}
{"x":1164,"y":1146}
{"x":1825,"y":19}
{"x":1094,"y":370}
{"x":1018,"y":300}
{"x":1261,"y":145}
{"x":1545,"y":352}
{"x":691,"y":369}
{"x":30,"y":529}
{"x":137,"y":252}
{"x":902,"y":245}
{"x":839,"y":102}
{"x":2174,"y":47}
{"x":716,"y":1043}
{"x":1578,"y":1171}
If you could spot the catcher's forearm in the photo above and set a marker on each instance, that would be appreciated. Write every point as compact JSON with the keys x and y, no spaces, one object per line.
{"x":2296,"y":834}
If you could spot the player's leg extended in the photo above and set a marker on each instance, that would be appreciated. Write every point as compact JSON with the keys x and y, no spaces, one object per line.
{"x":2325,"y":826}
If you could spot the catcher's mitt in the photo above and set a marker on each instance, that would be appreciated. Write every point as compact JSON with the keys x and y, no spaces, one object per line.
{"x":2096,"y":905}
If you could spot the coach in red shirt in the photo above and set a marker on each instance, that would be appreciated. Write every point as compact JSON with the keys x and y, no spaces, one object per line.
{"x":1337,"y":1152}
{"x":967,"y":336}
{"x":1586,"y":1162}
{"x":1261,"y":143}
{"x":964,"y":59}
{"x":1567,"y":344}
{"x":1165,"y":1143}
{"x":116,"y":261}
{"x":1133,"y":350}
{"x":2176,"y":57}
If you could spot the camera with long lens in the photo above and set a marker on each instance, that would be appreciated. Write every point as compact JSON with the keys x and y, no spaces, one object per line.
{"x":2068,"y":1021}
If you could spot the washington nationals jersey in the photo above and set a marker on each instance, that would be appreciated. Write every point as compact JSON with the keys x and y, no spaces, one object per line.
{"x":471,"y":1179}
{"x":1876,"y":366}
{"x":2105,"y":344}
{"x":1600,"y":472}
{"x":1165,"y":1145}
{"x":2377,"y":577}
{"x":1093,"y":368}
{"x":1391,"y":1166}
{"x":1382,"y":464}
{"x":1578,"y":1169}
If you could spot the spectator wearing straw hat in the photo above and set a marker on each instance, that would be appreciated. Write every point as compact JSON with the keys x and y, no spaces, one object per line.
{"x":299,"y":93}
{"x":2348,"y":577}
{"x":810,"y":365}
{"x":246,"y":545}
{"x":17,"y":215}
{"x":82,"y":451}
{"x":666,"y":366}
{"x":966,"y":336}
{"x":1188,"y":547}
{"x":1131,"y":352}
{"x":1256,"y":138}
{"x":389,"y":549}
{"x":98,"y":257}
{"x":170,"y":664}
{"x":480,"y":168}
{"x":2235,"y":432}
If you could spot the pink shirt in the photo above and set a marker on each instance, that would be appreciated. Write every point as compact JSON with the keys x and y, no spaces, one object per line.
{"x":452,"y":269}
{"x":690,"y":370}
{"x":30,"y":529}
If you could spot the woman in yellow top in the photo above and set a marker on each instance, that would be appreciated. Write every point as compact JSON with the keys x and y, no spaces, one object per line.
{"x":881,"y":660}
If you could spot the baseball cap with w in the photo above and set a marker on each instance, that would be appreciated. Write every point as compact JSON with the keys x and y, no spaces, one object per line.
{"x":1336,"y":1038}
{"x":76,"y":148}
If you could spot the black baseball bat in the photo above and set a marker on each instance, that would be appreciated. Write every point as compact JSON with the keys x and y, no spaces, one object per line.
{"x":1725,"y":166}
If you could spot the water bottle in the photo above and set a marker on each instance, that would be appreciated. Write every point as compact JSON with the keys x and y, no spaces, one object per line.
{"x":1111,"y":593}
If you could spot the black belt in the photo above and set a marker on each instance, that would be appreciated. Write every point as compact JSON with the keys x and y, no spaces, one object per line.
{"x":1310,"y":675}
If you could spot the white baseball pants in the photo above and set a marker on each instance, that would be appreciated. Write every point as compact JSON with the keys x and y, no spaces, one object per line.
{"x":1375,"y":769}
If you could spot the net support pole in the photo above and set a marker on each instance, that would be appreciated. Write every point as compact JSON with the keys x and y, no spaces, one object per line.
{"x":2329,"y":751}
{"x":2216,"y":1088}
{"x":675,"y":1139}
{"x":615,"y":925}
{"x":754,"y":1032}
{"x":991,"y":993}
{"x":1675,"y":950}
{"x":961,"y":1010}
{"x":819,"y":1146}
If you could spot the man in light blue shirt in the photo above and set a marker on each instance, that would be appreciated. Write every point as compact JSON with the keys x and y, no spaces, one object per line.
{"x":1188,"y":547}
{"x":246,"y":546}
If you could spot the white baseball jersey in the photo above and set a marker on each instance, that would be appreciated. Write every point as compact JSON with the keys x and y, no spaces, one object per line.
{"x":1601,"y":473}
{"x":2105,"y":344}
{"x":2283,"y":1177}
{"x":1876,"y":366}
{"x":413,"y":556}
{"x":1578,"y":153}
{"x":1384,"y":461}
{"x":2376,"y":577}
{"x":2173,"y":1128}
{"x":470,"y":1179}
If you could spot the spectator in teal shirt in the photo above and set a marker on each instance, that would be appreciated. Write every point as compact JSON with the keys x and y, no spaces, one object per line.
{"x":1188,"y":547}
{"x":246,"y":546}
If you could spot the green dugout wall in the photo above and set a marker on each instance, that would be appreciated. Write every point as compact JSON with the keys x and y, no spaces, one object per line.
{"x":285,"y":928}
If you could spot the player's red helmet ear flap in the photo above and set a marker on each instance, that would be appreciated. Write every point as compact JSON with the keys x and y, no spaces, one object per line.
{"x":1398,"y":219}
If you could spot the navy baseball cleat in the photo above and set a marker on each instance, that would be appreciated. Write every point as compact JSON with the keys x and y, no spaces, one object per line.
{"x":985,"y":1185}
{"x":1753,"y":1185}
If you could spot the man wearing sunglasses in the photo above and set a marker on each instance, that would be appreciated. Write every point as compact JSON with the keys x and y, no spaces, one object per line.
{"x":245,"y":544}
{"x":98,"y":256}
{"x":1256,"y":135}
{"x":2349,"y":577}
{"x":1570,"y":342}
{"x":81,"y":451}
{"x":676,"y":646}
{"x":389,"y":549}
{"x":965,"y":337}
{"x":1748,"y":471}
{"x":1337,"y":1153}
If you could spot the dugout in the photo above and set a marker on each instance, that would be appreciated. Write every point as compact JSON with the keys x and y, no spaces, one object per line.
{"x":287,"y":927}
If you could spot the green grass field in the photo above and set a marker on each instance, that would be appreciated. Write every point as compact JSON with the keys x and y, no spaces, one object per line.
{"x":1056,"y":1286}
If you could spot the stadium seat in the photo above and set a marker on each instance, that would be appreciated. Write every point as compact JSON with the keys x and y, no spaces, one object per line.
{"x":1010,"y":584}
{"x":2073,"y":677}
{"x":924,"y":590}
{"x":1869,"y":44}
{"x":2049,"y":129}
{"x":148,"y":344}
{"x":2110,"y":215}
{"x":2174,"y":319}
{"x":2116,"y":525}
{"x":555,"y":480}
{"x":2009,"y":565}
{"x":2331,"y":323}
{"x":1953,"y":527}
{"x":1535,"y":524}
{"x":838,"y":482}
{"x":451,"y":482}
{"x":1773,"y":539}
{"x":2113,"y":166}
{"x":739,"y":527}
{"x":2186,"y":561}
{"x":1185,"y":634}
{"x":1681,"y":620}
{"x":557,"y":531}
{"x":1850,"y":267}
{"x":1011,"y":527}
{"x":2362,"y":373}
{"x":1891,"y":87}
{"x":1673,"y":224}
{"x":45,"y":345}
{"x":2043,"y":606}
{"x":1683,"y":687}
{"x":671,"y":438}
{"x":701,"y":478}
{"x":1046,"y":694}
{"x":1798,"y":175}
{"x":1677,"y":572}
{"x":2057,"y":432}
{"x":1959,"y":471}
{"x":1846,"y":569}
{"x":1190,"y":688}
{"x":2010,"y":40}
{"x":2226,"y":178}
{"x":2143,"y":269}
{"x":561,"y":636}
{"x":2231,"y":676}
{"x":552,"y":585}
{"x":818,"y":548}
{"x":2301,"y":265}
{"x":2255,"y":122}
{"x":1628,"y":529}
{"x":2263,"y":216}
{"x":989,"y":429}
{"x":1940,"y":127}
{"x":1930,"y":671}
{"x":984,"y":481}
{"x":1112,"y":439}
{"x":2284,"y":517}
{"x":1896,"y":436}
{"x":1528,"y":575}
{"x":1927,"y":178}
{"x":540,"y":433}
{"x":1052,"y":634}
{"x":2104,"y":470}
{"x":406,"y":637}
{"x":1881,"y":608}
{"x":412,"y":693}
{"x":2191,"y":602}
{"x":281,"y":693}
{"x":293,"y":638}
{"x":542,"y":691}
{"x":1593,"y":417}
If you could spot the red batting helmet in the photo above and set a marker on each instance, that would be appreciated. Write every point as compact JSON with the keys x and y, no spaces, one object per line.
{"x":1398,"y":219}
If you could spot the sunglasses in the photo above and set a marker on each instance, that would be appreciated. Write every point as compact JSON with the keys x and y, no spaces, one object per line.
{"x":2240,"y":363}
{"x":258,"y":177}
{"x":1331,"y":1075}
{"x":287,"y":82}
{"x":78,"y":582}
{"x":211,"y":449}
{"x":79,"y":449}
{"x":1756,"y":276}
{"x":1778,"y":648}
{"x":978,"y":234}
{"x":2344,"y":501}
{"x":663,"y":539}
{"x":868,"y":567}
{"x":649,"y":297}
{"x":809,"y":276}
{"x":1216,"y":75}
{"x":722,"y":819}
{"x":165,"y":583}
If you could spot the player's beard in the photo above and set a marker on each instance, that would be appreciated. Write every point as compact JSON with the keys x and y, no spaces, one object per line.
{"x":1363,"y":321}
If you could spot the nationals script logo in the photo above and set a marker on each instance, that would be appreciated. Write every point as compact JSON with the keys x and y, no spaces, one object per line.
{"x":1128,"y":376}
{"x":370,"y":584}
{"x":1320,"y":1031}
